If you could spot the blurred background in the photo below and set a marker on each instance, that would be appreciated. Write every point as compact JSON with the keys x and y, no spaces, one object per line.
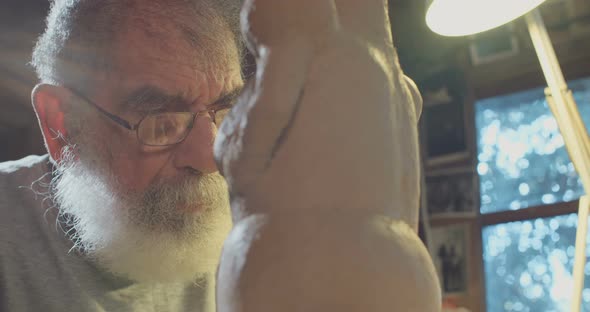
{"x":20,"y":24}
{"x":500,"y":197}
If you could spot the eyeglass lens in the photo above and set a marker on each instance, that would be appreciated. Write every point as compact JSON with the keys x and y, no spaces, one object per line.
{"x":170,"y":128}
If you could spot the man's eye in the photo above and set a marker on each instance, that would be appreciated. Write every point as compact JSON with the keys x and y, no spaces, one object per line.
{"x":167,"y":126}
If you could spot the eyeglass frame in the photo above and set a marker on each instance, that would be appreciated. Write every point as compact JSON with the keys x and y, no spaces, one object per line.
{"x":127,"y":125}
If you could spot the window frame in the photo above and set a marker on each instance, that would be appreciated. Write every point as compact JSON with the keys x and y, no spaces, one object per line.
{"x":518,"y":83}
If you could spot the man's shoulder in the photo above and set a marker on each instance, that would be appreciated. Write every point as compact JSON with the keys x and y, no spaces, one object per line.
{"x":23,"y":172}
{"x":21,"y":183}
{"x":33,"y":261}
{"x":29,"y":162}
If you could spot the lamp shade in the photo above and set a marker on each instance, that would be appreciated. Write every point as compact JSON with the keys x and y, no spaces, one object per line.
{"x":466,"y":17}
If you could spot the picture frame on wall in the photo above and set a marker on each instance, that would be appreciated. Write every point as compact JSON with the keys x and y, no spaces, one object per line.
{"x":452,"y":193}
{"x":444,"y":122}
{"x":494,"y":45}
{"x":450,"y":250}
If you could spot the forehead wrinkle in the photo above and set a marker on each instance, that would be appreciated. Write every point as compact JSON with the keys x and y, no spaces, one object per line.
{"x":172,"y":21}
{"x":156,"y":56}
{"x":164,"y":45}
{"x":190,"y":36}
{"x":196,"y":37}
{"x":156,"y":42}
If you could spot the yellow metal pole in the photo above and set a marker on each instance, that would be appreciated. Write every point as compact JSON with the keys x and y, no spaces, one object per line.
{"x":574,"y":134}
{"x":580,"y":256}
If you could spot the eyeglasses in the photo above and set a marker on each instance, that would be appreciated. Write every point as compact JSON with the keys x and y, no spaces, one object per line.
{"x":162,"y":129}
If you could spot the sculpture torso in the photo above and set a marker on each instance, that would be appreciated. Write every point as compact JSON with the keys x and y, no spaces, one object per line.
{"x":322,"y":161}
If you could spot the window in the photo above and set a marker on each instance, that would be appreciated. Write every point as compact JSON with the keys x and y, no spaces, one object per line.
{"x":523,"y":166}
{"x":522,"y":160}
{"x":528,"y":265}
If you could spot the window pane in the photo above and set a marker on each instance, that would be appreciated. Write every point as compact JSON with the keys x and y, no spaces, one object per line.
{"x":522,"y":160}
{"x":528,"y":265}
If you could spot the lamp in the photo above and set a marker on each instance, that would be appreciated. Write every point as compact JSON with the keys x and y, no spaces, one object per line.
{"x":465,"y":17}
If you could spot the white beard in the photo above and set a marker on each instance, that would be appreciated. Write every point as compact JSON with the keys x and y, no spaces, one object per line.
{"x":145,"y":237}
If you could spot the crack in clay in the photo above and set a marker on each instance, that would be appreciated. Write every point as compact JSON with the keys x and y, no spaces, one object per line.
{"x":285,"y":131}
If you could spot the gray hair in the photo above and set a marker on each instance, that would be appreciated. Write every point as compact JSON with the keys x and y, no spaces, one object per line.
{"x":81,"y":34}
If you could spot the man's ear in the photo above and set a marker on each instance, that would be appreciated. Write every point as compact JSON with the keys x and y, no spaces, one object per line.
{"x":50,"y":107}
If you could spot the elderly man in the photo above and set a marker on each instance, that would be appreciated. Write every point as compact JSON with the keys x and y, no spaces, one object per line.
{"x":128,"y":211}
{"x":320,"y":153}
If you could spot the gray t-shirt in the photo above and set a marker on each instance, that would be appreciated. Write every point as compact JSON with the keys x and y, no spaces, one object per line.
{"x":38,"y":272}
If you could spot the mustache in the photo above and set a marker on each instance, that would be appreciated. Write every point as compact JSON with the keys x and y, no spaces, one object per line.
{"x":186,"y":186}
{"x":162,"y":202}
{"x":160,"y":206}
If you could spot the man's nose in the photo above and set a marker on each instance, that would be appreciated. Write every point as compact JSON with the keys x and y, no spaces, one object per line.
{"x":196,"y":151}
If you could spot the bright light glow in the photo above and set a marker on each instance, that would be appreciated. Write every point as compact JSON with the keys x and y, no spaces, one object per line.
{"x":467,"y":17}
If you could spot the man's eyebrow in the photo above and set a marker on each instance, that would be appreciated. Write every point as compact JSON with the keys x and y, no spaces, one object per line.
{"x":228,"y":98}
{"x":150,"y":98}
